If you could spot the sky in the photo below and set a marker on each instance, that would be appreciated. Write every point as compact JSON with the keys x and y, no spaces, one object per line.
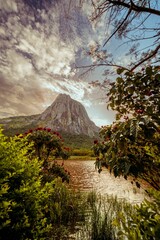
{"x":38,"y":51}
{"x":40,"y":43}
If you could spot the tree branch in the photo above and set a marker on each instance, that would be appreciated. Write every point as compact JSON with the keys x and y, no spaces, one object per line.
{"x":134,"y":7}
{"x":118,"y":27}
{"x":152,"y":54}
{"x":101,"y":65}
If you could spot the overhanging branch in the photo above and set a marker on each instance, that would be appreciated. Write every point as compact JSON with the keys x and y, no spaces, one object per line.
{"x":134,"y":7}
{"x":151,"y":55}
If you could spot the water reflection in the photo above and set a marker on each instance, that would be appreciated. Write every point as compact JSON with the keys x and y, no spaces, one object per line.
{"x":85,"y":177}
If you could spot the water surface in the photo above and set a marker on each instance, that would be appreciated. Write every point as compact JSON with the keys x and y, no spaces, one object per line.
{"x":85,"y":177}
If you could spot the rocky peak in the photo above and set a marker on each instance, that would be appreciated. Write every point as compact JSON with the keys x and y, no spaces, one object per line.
{"x":66,"y":114}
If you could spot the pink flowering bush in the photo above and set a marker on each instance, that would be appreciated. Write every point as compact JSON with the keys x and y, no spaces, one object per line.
{"x":47,"y":143}
{"x":49,"y":146}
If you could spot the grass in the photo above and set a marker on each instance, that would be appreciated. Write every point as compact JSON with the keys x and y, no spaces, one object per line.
{"x":101,"y":217}
{"x":82,"y":158}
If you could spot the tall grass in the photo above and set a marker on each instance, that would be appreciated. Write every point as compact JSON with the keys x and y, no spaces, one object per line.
{"x":102,"y":216}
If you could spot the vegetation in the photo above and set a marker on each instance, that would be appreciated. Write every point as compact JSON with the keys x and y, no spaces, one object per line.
{"x":35,"y":202}
{"x":79,"y":152}
{"x":143,"y":223}
{"x":130,"y":146}
{"x":71,"y":140}
{"x":31,"y":208}
{"x":136,"y":94}
{"x":47,"y":143}
{"x":78,"y":141}
{"x":112,"y":219}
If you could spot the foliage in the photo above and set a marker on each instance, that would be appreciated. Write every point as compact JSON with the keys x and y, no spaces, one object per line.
{"x":71,"y":140}
{"x":67,"y":206}
{"x":112,"y":219}
{"x":30,"y":209}
{"x":143,"y":223}
{"x":101,"y":220}
{"x":131,"y":145}
{"x":22,"y":214}
{"x":136,"y":93}
{"x":82,"y":152}
{"x":102,"y":213}
{"x":78,"y":141}
{"x":55,"y":170}
{"x":47,"y":142}
{"x":125,"y":151}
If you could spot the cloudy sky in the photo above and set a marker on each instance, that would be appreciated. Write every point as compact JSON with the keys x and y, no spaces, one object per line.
{"x":40,"y":42}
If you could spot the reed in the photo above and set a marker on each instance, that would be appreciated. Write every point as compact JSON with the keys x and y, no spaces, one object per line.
{"x":102,"y":214}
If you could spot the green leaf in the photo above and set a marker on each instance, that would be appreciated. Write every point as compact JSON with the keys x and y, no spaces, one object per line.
{"x":120,"y":70}
{"x":119,"y":80}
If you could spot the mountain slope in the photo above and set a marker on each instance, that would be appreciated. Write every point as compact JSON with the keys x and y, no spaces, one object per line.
{"x":64,"y":115}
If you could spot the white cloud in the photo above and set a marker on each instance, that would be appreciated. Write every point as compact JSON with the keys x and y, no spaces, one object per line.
{"x":8,"y":6}
{"x":34,"y":48}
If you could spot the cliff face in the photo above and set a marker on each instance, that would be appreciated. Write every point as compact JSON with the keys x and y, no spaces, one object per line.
{"x":66,"y":114}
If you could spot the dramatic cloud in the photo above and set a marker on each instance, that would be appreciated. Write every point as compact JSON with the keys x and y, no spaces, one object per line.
{"x":39,"y":43}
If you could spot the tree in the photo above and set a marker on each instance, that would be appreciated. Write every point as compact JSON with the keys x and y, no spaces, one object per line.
{"x":134,"y":22}
{"x":131,"y":144}
{"x":136,"y":94}
{"x":48,"y":146}
{"x":47,"y":143}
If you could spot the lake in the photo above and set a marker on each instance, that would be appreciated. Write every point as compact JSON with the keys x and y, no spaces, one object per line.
{"x":85,"y":177}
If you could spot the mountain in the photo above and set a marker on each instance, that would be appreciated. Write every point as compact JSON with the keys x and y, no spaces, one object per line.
{"x":64,"y":115}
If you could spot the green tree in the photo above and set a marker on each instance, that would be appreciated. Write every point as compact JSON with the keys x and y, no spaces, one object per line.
{"x":137,"y":94}
{"x":131,"y":144}
{"x":47,"y":143}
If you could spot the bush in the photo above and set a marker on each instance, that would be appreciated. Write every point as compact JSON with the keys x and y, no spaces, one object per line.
{"x":82,"y":152}
{"x":144,"y":222}
{"x":54,"y":171}
{"x":28,"y":208}
{"x":22,"y":215}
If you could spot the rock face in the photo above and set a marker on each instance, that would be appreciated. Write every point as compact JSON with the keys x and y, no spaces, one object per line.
{"x":66,"y":114}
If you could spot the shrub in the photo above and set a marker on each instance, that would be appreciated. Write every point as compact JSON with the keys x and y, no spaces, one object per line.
{"x":28,"y":208}
{"x":47,"y":143}
{"x":82,"y":152}
{"x":54,"y":171}
{"x":21,"y":213}
{"x":143,"y":223}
